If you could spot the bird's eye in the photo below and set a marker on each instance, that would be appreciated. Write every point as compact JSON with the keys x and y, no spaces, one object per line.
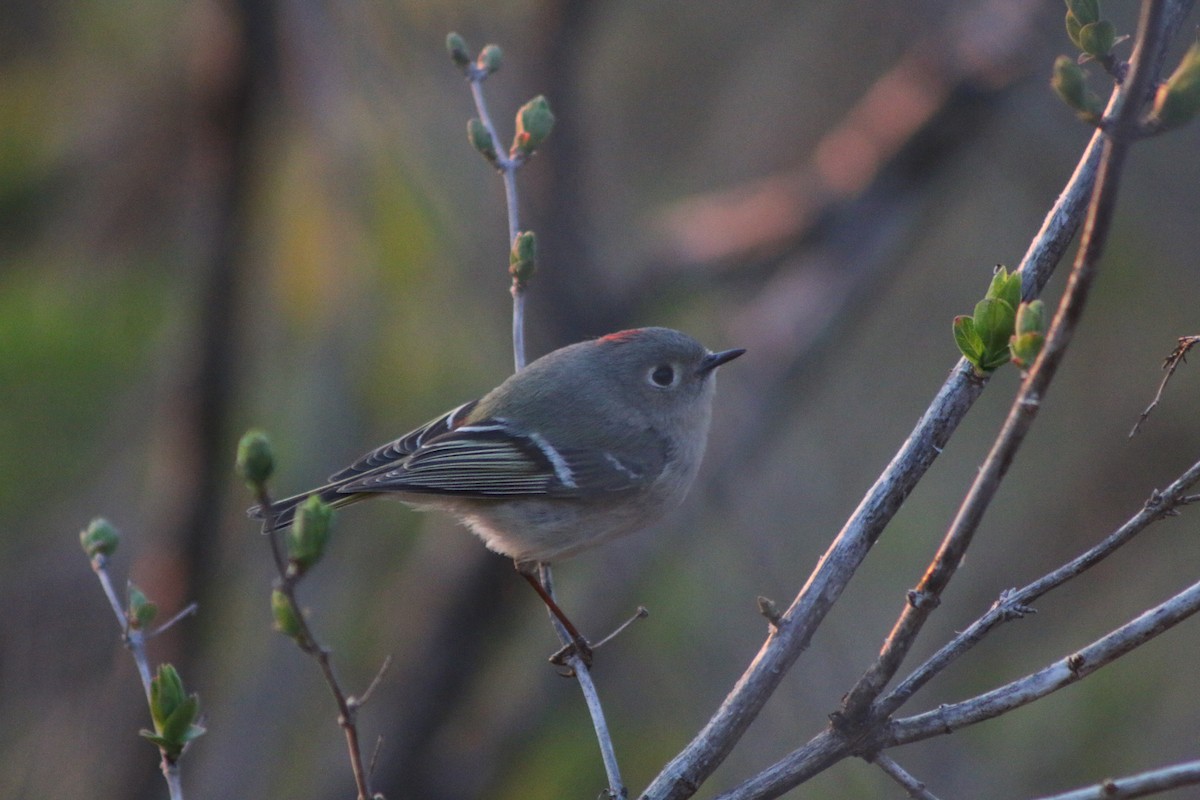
{"x":663,"y":375}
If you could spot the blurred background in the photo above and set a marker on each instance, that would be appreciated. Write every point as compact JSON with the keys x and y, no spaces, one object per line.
{"x":218,"y":215}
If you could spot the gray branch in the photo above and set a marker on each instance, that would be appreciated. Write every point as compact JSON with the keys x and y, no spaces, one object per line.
{"x":1140,"y":785}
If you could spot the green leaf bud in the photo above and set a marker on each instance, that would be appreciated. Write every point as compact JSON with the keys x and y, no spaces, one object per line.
{"x":1086,"y":11}
{"x":994,"y":322}
{"x":456,"y":46}
{"x":968,"y":341}
{"x":309,"y":534}
{"x":481,"y":139}
{"x":1030,"y":334}
{"x":1067,"y":82}
{"x":173,"y":711}
{"x":139,"y":610}
{"x":255,"y":461}
{"x":100,"y":538}
{"x":1005,"y":286}
{"x":1097,"y":38}
{"x":522,"y":258}
{"x":535,"y":120}
{"x":490,"y":59}
{"x":284,"y":614}
{"x":1024,"y":348}
{"x":1031,"y":317}
{"x":1178,"y":100}
{"x":1073,"y":28}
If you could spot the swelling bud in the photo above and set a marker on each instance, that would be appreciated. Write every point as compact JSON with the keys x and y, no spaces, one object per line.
{"x":456,"y":46}
{"x":99,"y":538}
{"x":522,"y":259}
{"x":309,"y":534}
{"x":255,"y":460}
{"x":535,"y":120}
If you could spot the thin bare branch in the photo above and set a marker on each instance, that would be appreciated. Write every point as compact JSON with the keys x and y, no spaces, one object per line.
{"x":577,"y":664}
{"x":187,"y":611}
{"x":913,"y":787}
{"x":1178,"y":356}
{"x":1015,"y":604}
{"x":1064,"y":672}
{"x":307,"y":642}
{"x":1140,"y":785}
{"x":507,"y":166}
{"x":135,"y":641}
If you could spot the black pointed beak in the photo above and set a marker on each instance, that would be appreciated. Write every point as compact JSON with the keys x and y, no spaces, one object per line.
{"x":714,"y":360}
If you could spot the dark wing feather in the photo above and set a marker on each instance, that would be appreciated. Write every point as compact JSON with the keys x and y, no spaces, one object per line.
{"x":406,"y":445}
{"x":488,"y":459}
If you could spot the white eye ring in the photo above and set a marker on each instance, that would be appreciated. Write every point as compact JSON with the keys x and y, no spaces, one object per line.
{"x":663,"y":376}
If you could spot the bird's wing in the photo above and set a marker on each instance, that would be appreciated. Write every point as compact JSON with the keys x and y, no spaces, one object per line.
{"x":406,"y":445}
{"x":490,"y":459}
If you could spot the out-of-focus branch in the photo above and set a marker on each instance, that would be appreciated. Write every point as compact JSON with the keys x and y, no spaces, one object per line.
{"x":926,"y":92}
{"x":1140,"y":785}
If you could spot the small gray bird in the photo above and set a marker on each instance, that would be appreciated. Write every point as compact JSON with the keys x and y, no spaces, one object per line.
{"x":590,"y":442}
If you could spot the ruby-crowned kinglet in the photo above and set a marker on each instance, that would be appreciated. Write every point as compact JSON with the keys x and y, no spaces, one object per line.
{"x":589,"y":442}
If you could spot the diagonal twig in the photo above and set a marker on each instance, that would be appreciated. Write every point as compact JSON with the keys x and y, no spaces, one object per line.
{"x":1015,"y":604}
{"x":950,"y":717}
{"x":304,"y":638}
{"x":914,"y":788}
{"x":1140,"y":785}
{"x":1170,"y":364}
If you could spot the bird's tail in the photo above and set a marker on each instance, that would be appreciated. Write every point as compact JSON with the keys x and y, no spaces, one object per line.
{"x":283,"y":512}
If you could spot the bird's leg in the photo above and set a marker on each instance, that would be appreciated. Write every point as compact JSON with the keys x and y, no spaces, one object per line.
{"x":579,"y":645}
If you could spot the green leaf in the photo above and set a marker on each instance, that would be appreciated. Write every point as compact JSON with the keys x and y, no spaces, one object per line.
{"x":1097,"y":38}
{"x":1178,"y":100}
{"x":994,"y":322}
{"x":1005,"y":286}
{"x":1067,"y":81}
{"x":1073,"y":28}
{"x":968,"y":341}
{"x":1086,"y":11}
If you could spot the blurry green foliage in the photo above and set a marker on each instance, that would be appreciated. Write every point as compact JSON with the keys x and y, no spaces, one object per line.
{"x":70,"y":346}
